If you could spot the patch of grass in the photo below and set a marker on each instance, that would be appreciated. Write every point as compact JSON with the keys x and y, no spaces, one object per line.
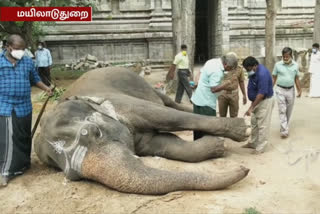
{"x":251,"y":210}
{"x":58,"y":92}
{"x":60,"y":72}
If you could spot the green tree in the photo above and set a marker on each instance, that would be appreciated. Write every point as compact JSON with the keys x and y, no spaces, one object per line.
{"x":31,"y":31}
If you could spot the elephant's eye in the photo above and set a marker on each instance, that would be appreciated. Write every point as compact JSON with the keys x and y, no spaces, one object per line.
{"x":84,"y":132}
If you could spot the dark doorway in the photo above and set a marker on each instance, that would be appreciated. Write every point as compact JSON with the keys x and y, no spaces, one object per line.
{"x":202,"y":31}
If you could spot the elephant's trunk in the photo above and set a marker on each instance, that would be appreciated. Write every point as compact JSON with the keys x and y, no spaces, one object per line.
{"x":118,"y":168}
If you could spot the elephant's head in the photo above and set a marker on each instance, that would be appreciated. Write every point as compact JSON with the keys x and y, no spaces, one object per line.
{"x":75,"y":127}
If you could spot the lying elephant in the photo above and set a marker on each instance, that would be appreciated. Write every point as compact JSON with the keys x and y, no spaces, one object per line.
{"x":110,"y":115}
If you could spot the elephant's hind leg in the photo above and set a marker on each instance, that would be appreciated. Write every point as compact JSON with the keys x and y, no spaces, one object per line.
{"x":170,"y":146}
{"x":167,"y":101}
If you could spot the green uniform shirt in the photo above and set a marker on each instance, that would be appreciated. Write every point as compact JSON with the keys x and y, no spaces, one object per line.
{"x":285,"y":73}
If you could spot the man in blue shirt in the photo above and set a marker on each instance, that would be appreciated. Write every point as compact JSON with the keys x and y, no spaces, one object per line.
{"x":43,"y":63}
{"x":17,"y":73}
{"x":260,"y":93}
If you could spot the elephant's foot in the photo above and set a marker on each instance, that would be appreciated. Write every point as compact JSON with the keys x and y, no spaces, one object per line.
{"x":239,"y":129}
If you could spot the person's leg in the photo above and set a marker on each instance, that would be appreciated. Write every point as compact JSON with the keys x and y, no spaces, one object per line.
{"x":21,"y":155}
{"x":203,"y":110}
{"x":180,"y":89}
{"x":47,"y":76}
{"x":312,"y":83}
{"x":252,"y":144}
{"x":15,"y":146}
{"x":282,"y":106}
{"x":185,"y":82}
{"x":5,"y":148}
{"x":223,"y":105}
{"x":234,"y":105}
{"x":263,"y":116}
{"x":290,"y":103}
{"x":43,"y":75}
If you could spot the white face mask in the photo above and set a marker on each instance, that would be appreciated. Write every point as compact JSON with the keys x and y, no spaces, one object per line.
{"x":314,"y":50}
{"x":17,"y":54}
{"x":40,"y":47}
{"x":250,"y":73}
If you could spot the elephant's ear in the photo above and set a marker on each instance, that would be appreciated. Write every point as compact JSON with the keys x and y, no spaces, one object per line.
{"x":101,"y":105}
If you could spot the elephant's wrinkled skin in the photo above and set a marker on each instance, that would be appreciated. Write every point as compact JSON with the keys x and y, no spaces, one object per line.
{"x":110,"y":115}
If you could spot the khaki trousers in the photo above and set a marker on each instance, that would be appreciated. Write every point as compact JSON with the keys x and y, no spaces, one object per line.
{"x":260,"y":121}
{"x":229,"y":100}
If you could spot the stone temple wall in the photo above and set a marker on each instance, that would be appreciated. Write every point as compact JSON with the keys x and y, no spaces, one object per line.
{"x":121,"y":31}
{"x":294,"y":27}
{"x":141,"y":30}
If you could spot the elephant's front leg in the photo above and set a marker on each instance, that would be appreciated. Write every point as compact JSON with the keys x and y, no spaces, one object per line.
{"x":145,"y":115}
{"x":170,"y":146}
{"x":116,"y":167}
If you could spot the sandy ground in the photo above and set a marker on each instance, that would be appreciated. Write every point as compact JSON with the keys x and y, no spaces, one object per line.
{"x":285,"y":179}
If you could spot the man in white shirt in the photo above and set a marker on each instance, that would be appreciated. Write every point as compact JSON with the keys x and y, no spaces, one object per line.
{"x":43,"y":63}
{"x":314,"y":69}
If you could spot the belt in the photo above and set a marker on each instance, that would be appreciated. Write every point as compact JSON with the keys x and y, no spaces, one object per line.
{"x":285,"y":87}
{"x":231,"y":91}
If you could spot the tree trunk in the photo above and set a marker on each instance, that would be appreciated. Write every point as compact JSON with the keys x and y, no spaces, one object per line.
{"x":316,"y":27}
{"x":27,"y":33}
{"x":270,"y":31}
{"x":183,"y":28}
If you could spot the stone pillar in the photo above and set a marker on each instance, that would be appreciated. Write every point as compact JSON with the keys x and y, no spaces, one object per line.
{"x":158,"y":5}
{"x":115,"y":6}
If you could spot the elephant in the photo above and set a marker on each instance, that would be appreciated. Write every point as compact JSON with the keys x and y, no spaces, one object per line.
{"x":110,"y":118}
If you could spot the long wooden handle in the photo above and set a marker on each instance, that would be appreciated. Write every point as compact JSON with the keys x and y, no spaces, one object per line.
{"x":40,"y":114}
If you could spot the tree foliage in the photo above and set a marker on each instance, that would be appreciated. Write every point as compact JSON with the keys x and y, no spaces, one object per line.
{"x":32,"y":31}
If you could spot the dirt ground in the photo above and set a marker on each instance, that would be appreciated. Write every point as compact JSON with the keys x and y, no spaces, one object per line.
{"x":285,"y":179}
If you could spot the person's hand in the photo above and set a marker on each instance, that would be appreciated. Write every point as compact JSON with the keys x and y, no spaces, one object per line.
{"x":299,"y":93}
{"x":249,"y":112}
{"x":49,"y":92}
{"x":194,"y":86}
{"x":244,"y":100}
{"x":214,"y":89}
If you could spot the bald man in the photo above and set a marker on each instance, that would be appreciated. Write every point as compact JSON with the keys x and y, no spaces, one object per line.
{"x":17,"y":74}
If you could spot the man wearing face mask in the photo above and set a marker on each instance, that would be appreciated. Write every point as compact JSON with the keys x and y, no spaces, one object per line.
{"x":17,"y":73}
{"x":43,"y":62}
{"x":260,"y":93}
{"x":181,"y":61}
{"x":285,"y":76}
{"x":208,"y":82}
{"x":314,"y":70}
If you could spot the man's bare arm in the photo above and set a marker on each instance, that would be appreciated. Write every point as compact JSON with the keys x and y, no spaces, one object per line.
{"x":297,"y":81}
{"x":258,"y":99}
